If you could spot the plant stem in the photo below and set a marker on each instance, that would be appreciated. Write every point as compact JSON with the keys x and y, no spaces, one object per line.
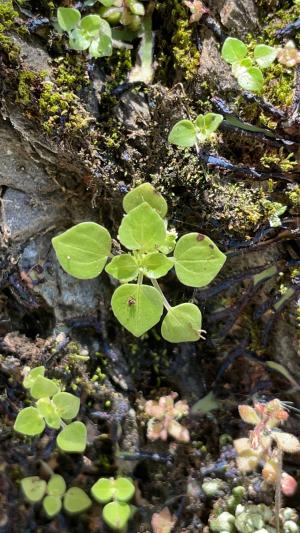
{"x":278,"y":491}
{"x":165,"y":301}
{"x":140,"y":278}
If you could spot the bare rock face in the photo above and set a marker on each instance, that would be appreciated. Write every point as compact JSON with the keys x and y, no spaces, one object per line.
{"x":213,"y":68}
{"x":237,"y":16}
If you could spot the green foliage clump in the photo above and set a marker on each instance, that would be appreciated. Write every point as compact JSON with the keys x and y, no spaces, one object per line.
{"x":186,"y":133}
{"x":248,"y":75}
{"x":26,"y":81}
{"x":53,"y":408}
{"x":54,"y":495}
{"x":7,"y":22}
{"x":115,"y":494}
{"x":84,"y":250}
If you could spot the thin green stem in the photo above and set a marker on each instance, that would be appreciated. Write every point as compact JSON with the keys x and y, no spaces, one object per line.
{"x":165,"y":301}
{"x":278,"y":498}
{"x":140,"y":278}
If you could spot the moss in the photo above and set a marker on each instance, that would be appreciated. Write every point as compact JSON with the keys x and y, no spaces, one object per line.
{"x":70,"y":72}
{"x":27,"y":79}
{"x":7,"y":23}
{"x":278,"y":159}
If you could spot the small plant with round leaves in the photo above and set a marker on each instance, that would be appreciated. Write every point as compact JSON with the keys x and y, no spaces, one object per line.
{"x":84,"y":250}
{"x":187,"y":133}
{"x":53,"y":408}
{"x":245,"y":68}
{"x":164,"y":418}
{"x":54,"y":495}
{"x":114,"y":494}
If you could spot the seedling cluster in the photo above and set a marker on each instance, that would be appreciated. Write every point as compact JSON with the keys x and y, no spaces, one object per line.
{"x":84,"y":250}
{"x":93,"y":32}
{"x":115,"y":495}
{"x":245,"y":68}
{"x":52,"y":408}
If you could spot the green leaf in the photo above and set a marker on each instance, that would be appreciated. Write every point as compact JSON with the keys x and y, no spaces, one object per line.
{"x":183,"y":134}
{"x":83,"y":250}
{"x":142,"y":229}
{"x":233,"y":50}
{"x":76,"y":501}
{"x":67,"y":405}
{"x":31,"y":377}
{"x":29,"y":422}
{"x":78,"y":40}
{"x":90,"y":25}
{"x":169,"y":243}
{"x":56,"y":486}
{"x":72,"y":438}
{"x":43,"y":388}
{"x":68,"y":18}
{"x":206,"y":404}
{"x":116,"y":515}
{"x":182,"y":323}
{"x":137,"y":307}
{"x":101,"y":47}
{"x":197,"y":260}
{"x":156,"y":265}
{"x":105,"y":489}
{"x":137,"y":8}
{"x":207,"y":124}
{"x":123,"y":267}
{"x":52,"y":506}
{"x":33,"y":488}
{"x":238,"y":67}
{"x":251,"y":79}
{"x":48,"y":411}
{"x":145,"y":193}
{"x":107,"y":3}
{"x":265,"y":55}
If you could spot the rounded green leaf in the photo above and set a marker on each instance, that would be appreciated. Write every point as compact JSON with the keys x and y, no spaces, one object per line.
{"x":123,"y":267}
{"x":197,"y":260}
{"x":76,"y":501}
{"x":116,"y":515}
{"x":33,"y":488}
{"x":83,"y":250}
{"x":208,"y":124}
{"x":156,"y":265}
{"x":68,"y":18}
{"x":182,"y":323}
{"x":169,"y":244}
{"x":105,"y":489}
{"x":142,"y":229}
{"x":107,"y":3}
{"x":183,"y":134}
{"x":56,"y":486}
{"x":52,"y":505}
{"x":43,"y":388}
{"x":240,"y":66}
{"x":48,"y":411}
{"x":137,"y":307}
{"x":251,"y":79}
{"x":29,"y":422}
{"x":90,"y":25}
{"x":124,"y":489}
{"x":265,"y":55}
{"x":233,"y":50}
{"x":67,"y":405}
{"x":78,"y":40}
{"x":72,"y":438}
{"x":145,"y":193}
{"x":137,"y":8}
{"x":32,"y":375}
{"x":101,"y":46}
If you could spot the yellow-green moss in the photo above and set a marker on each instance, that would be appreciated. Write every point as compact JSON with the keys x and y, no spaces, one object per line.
{"x":70,"y":72}
{"x":27,"y":79}
{"x":7,"y":23}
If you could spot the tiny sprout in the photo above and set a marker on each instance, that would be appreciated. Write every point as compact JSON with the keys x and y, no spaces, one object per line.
{"x":186,"y":133}
{"x":115,"y":513}
{"x":248,"y":75}
{"x":85,"y":249}
{"x":53,"y":408}
{"x":164,"y":418}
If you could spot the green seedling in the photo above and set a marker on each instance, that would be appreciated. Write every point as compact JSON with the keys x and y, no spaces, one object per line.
{"x":54,"y":409}
{"x":115,"y":493}
{"x":54,"y":495}
{"x":84,"y":249}
{"x":186,"y":133}
{"x":246,"y":69}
